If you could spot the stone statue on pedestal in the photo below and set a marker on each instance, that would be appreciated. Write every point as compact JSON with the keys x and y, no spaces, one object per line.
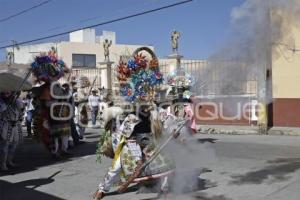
{"x":174,"y":39}
{"x":9,"y":58}
{"x":106,"y":46}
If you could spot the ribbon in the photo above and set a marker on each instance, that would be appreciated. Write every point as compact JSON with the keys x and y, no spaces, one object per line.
{"x":118,"y":150}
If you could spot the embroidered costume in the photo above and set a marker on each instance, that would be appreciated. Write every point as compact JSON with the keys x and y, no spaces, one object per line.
{"x":51,"y":122}
{"x":11,"y":116}
{"x":136,"y":139}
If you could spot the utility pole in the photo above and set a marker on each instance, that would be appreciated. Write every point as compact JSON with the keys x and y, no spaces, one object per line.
{"x":14,"y":45}
{"x":266,"y":97}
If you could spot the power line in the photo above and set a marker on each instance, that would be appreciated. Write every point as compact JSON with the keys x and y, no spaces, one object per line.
{"x":288,"y":47}
{"x":100,"y":24}
{"x":24,"y":11}
{"x":5,"y":41}
{"x":98,"y":17}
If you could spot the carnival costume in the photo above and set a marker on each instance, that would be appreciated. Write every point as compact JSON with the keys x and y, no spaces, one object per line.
{"x":133,"y":141}
{"x":10,"y":128}
{"x":80,"y":99}
{"x":50,"y":122}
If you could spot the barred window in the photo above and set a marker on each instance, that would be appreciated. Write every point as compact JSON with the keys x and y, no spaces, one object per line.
{"x":84,"y":60}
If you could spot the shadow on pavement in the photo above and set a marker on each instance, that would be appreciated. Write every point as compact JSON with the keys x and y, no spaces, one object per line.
{"x":208,"y":140}
{"x":278,"y":169}
{"x":31,"y":155}
{"x":92,"y":136}
{"x":26,"y":189}
{"x":199,"y":185}
{"x":204,"y":196}
{"x":185,"y":182}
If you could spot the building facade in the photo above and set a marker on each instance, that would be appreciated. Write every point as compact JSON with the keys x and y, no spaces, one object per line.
{"x":228,"y":96}
{"x":84,"y":53}
{"x":285,"y":107}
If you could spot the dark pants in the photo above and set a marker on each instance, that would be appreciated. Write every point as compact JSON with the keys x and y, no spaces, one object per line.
{"x":74,"y":132}
{"x":29,"y":122}
{"x":94,"y":114}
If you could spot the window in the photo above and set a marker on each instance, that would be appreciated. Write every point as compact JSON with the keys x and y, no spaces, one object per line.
{"x":83,"y":60}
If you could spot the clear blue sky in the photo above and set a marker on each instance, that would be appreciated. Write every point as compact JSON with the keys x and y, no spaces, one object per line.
{"x":204,"y":24}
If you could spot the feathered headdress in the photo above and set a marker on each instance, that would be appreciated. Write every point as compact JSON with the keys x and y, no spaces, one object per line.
{"x":48,"y":68}
{"x":139,"y":77}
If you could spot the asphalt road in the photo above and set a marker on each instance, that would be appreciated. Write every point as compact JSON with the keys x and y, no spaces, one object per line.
{"x":209,"y":167}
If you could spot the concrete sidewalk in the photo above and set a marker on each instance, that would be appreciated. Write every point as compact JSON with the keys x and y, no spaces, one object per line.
{"x":246,"y":130}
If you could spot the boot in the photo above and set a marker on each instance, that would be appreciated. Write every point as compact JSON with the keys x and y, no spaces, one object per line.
{"x":10,"y":162}
{"x":98,"y":195}
{"x":3,"y":159}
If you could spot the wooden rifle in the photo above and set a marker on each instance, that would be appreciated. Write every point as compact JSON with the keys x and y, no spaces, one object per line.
{"x":141,"y":166}
{"x":93,"y":84}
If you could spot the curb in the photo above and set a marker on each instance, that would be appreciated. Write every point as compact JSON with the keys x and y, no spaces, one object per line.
{"x":275,"y":131}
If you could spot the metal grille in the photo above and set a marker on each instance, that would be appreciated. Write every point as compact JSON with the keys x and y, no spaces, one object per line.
{"x":91,"y":74}
{"x":212,"y":78}
{"x":219,"y":78}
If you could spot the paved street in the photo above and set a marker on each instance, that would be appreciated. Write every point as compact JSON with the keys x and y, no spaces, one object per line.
{"x":232,"y":168}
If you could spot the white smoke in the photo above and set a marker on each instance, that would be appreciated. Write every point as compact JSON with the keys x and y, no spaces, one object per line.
{"x":189,"y":156}
{"x":259,"y":30}
{"x":191,"y":160}
{"x":257,"y":25}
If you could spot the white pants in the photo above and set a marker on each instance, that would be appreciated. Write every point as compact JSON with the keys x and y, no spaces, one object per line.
{"x":64,"y":144}
{"x":112,"y":176}
{"x":80,"y":130}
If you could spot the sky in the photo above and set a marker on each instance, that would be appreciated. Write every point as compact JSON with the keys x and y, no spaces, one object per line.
{"x":204,"y":24}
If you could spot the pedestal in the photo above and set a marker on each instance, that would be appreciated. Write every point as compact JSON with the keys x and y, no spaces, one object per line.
{"x":106,"y":76}
{"x":177,"y":60}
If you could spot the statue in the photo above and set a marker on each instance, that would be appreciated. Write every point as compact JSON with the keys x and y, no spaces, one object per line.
{"x":174,"y":38}
{"x":9,"y":58}
{"x":53,"y":51}
{"x":106,"y":46}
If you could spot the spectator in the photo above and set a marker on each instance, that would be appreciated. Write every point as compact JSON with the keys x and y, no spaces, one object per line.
{"x":94,"y":101}
{"x":10,"y":128}
{"x":29,"y":113}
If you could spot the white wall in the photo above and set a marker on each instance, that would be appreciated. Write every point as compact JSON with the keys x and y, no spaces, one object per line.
{"x":117,"y":50}
{"x":110,"y":35}
{"x":26,"y":54}
{"x":86,"y":35}
{"x":66,"y":49}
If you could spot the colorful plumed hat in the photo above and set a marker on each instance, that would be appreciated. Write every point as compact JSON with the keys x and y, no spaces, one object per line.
{"x":140,"y":77}
{"x":48,"y":68}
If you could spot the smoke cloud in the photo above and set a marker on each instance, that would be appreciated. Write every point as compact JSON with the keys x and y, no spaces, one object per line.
{"x":260,"y":29}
